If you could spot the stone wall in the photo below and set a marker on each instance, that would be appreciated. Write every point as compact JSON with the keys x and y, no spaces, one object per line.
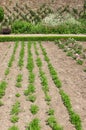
{"x":52,"y":3}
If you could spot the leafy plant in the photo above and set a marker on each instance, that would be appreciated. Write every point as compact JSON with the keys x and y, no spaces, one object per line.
{"x":14,"y":119}
{"x":34,"y":109}
{"x":1,"y":14}
{"x":7,"y":71}
{"x":21,"y":61}
{"x":3,"y":86}
{"x":13,"y":128}
{"x":34,"y":125}
{"x":15,"y":109}
{"x":74,"y":117}
{"x":31,"y":77}
{"x":17,"y":95}
{"x":1,"y":103}
{"x":50,"y":112}
{"x":80,"y":62}
{"x":32,"y":98}
{"x":18,"y":84}
{"x":53,"y":124}
{"x":31,"y":89}
{"x":19,"y":78}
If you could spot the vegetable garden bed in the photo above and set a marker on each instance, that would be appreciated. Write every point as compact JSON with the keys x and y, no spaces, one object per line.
{"x":40,"y":87}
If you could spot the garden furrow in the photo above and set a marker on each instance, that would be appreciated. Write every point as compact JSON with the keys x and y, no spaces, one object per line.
{"x":24,"y":116}
{"x":40,"y":97}
{"x":9,"y":98}
{"x":72,"y":77}
{"x":61,"y":113}
{"x":4,"y":61}
{"x":4,"y":49}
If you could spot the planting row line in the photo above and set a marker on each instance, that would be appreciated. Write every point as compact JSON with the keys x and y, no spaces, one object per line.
{"x":3,"y":83}
{"x":51,"y":121}
{"x":74,"y":117}
{"x":35,"y":123}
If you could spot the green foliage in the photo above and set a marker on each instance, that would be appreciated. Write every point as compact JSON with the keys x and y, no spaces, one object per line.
{"x":84,"y":69}
{"x":34,"y":109}
{"x":50,"y":112}
{"x":7,"y":71}
{"x":31,"y":77}
{"x":19,"y":78}
{"x":13,"y":128}
{"x":47,"y":97}
{"x":39,"y":62}
{"x":3,"y":86}
{"x":31,"y":98}
{"x":30,"y":90}
{"x":18,"y":84}
{"x":74,"y":117}
{"x":80,"y":62}
{"x":34,"y":125}
{"x":17,"y":95}
{"x":1,"y":14}
{"x":53,"y":124}
{"x":21,"y":61}
{"x":21,"y":27}
{"x":13,"y":57}
{"x":1,"y":103}
{"x":15,"y":109}
{"x":14,"y":119}
{"x":40,"y":38}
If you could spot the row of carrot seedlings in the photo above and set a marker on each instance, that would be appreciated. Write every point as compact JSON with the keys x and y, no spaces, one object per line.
{"x":74,"y":117}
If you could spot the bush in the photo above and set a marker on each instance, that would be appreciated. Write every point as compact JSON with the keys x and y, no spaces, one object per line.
{"x":1,"y":14}
{"x":21,"y":27}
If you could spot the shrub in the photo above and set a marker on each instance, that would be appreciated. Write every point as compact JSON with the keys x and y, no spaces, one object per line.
{"x":1,"y":14}
{"x":21,"y":27}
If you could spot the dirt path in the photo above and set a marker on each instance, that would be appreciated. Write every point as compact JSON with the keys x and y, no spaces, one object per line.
{"x":9,"y":98}
{"x":73,"y":79}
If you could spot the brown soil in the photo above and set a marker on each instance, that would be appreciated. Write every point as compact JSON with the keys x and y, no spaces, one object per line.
{"x":73,"y":78}
{"x":73,"y":83}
